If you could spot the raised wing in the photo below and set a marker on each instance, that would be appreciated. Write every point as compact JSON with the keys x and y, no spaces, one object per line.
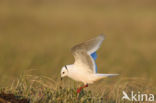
{"x":85,"y":52}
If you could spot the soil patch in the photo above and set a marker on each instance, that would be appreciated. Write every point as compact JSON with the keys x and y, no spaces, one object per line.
{"x":11,"y":98}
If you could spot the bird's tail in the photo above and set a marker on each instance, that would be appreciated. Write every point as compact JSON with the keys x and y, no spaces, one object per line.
{"x":106,"y":75}
{"x":100,"y":76}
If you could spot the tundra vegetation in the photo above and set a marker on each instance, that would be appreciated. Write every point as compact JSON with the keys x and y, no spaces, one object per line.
{"x":36,"y":37}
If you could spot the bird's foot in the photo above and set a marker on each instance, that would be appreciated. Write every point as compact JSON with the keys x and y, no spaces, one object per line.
{"x":79,"y":90}
{"x":86,"y":85}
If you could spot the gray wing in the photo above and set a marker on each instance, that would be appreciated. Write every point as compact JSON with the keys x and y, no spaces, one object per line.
{"x":82,"y":52}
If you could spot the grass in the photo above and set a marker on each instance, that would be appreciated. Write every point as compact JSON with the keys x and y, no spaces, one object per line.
{"x":38,"y":36}
{"x":42,"y":89}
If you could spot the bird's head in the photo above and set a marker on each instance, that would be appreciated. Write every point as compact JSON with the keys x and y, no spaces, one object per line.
{"x":64,"y":71}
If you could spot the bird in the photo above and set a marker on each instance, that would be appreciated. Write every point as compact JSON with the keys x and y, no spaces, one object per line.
{"x":84,"y":69}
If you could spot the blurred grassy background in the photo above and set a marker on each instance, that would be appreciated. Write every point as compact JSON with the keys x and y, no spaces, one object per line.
{"x":38,"y":34}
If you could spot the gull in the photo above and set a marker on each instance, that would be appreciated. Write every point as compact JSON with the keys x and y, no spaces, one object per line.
{"x":84,"y":69}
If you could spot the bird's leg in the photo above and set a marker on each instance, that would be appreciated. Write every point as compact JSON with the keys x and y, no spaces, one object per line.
{"x":79,"y":89}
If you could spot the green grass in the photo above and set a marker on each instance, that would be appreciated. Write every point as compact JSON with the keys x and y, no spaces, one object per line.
{"x":38,"y":36}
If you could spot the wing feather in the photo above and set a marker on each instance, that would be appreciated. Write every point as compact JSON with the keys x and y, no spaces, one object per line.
{"x":90,"y":46}
{"x":84,"y":53}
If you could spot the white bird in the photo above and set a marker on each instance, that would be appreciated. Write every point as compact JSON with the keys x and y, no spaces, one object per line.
{"x":84,"y":68}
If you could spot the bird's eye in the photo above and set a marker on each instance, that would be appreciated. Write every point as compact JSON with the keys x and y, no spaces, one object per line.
{"x":63,"y":72}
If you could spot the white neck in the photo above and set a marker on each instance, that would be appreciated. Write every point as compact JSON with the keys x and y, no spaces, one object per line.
{"x":70,"y":66}
{"x":70,"y":69}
